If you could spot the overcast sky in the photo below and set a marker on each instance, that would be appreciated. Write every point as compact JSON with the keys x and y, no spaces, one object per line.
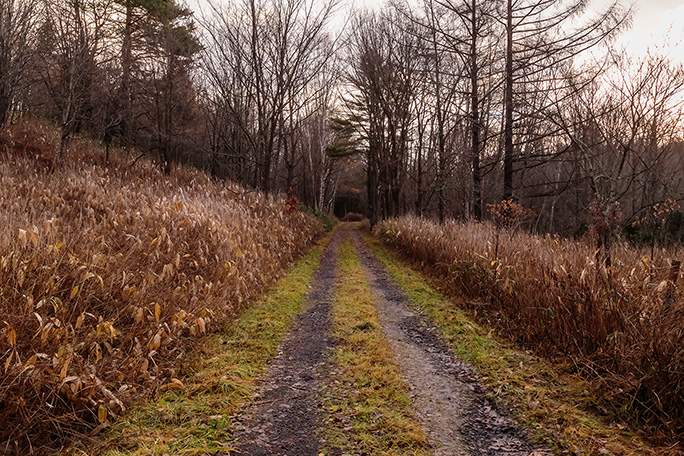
{"x":652,"y":22}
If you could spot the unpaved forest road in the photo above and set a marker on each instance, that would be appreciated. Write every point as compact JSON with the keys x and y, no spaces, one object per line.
{"x":450,"y":403}
{"x":283,"y":419}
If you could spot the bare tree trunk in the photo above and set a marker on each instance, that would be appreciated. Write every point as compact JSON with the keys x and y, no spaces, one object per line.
{"x":126,"y":65}
{"x":475,"y":116}
{"x":372,"y":188}
{"x":508,"y":106}
{"x":420,"y":191}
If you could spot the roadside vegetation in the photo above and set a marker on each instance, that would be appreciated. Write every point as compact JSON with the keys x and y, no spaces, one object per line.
{"x":109,"y":273}
{"x":618,"y":327}
{"x":199,"y":417}
{"x":366,"y":407}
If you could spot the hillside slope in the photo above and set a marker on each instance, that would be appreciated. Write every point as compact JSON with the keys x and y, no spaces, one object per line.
{"x":106,"y":274}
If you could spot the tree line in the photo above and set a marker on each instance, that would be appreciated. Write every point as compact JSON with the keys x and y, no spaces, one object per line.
{"x":437,"y":107}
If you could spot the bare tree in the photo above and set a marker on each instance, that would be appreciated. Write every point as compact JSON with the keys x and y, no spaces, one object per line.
{"x":18,"y":23}
{"x":262,"y":57}
{"x":541,"y":34}
{"x":383,"y":74}
{"x":622,"y":130}
{"x":71,"y":46}
{"x":465,"y":29}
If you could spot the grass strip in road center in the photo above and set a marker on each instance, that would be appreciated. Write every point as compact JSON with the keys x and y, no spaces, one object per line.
{"x":198,"y":417}
{"x":366,"y":407}
{"x":554,"y":405}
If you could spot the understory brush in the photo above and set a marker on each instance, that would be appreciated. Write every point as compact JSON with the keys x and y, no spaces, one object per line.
{"x":621,"y":326}
{"x":107,"y":274}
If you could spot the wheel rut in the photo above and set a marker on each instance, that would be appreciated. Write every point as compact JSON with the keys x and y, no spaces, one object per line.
{"x":451,"y":404}
{"x":282,"y":421}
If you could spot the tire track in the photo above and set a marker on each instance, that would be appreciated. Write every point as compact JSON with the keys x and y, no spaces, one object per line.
{"x":450,"y":402}
{"x":282,"y":421}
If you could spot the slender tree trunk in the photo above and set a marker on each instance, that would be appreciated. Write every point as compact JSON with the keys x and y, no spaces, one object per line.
{"x":60,"y":158}
{"x":441,"y":140}
{"x":420,"y":191}
{"x":508,"y":106}
{"x":441,"y":203}
{"x":475,"y":117}
{"x":126,"y":65}
{"x":372,"y":187}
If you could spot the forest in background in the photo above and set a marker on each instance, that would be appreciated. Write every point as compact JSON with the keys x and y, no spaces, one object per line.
{"x":437,"y":107}
{"x":522,"y":111}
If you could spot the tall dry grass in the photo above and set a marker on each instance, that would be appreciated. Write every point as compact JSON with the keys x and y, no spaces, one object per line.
{"x":106,"y":274}
{"x":623,"y":326}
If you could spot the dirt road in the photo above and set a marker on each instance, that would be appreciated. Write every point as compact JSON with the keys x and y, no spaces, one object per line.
{"x":450,"y":403}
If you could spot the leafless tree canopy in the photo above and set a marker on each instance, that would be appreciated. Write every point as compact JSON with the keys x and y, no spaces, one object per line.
{"x":437,"y":107}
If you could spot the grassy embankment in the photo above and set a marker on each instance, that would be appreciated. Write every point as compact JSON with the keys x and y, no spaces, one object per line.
{"x":109,"y":273}
{"x":560,"y":407}
{"x":199,"y":418}
{"x":366,"y":405}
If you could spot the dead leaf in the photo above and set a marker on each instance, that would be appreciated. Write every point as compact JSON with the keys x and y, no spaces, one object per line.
{"x":11,"y":336}
{"x":173,"y":384}
{"x":9,"y":361}
{"x":102,"y":413}
{"x":79,"y":321}
{"x":31,"y":361}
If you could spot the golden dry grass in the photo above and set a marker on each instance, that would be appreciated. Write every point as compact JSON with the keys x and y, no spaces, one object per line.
{"x":621,"y":327}
{"x":106,"y":274}
{"x":199,"y":419}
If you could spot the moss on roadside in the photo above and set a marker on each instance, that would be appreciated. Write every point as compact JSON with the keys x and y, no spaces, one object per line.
{"x":366,"y":407}
{"x":553,"y":405}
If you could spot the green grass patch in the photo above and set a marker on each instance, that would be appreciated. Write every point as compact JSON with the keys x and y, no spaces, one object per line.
{"x":554,"y":405}
{"x":199,"y":418}
{"x":366,"y":405}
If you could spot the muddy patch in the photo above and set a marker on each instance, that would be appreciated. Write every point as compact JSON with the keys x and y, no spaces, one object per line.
{"x":451,"y":404}
{"x":282,"y":421}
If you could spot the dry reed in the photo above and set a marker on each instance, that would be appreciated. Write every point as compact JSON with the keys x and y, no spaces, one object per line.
{"x":621,"y":326}
{"x":106,"y":274}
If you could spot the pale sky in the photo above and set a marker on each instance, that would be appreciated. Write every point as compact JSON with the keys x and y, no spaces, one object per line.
{"x":657,"y":24}
{"x":653,"y":21}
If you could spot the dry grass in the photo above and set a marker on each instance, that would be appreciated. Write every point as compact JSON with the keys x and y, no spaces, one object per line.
{"x":199,"y":419}
{"x":621,"y":327}
{"x":553,"y":405}
{"x":107,"y":274}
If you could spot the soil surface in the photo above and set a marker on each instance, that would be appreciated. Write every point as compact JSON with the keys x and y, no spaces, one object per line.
{"x":451,"y":403}
{"x":282,"y":421}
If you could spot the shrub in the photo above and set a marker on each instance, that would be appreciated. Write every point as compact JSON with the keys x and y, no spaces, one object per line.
{"x":623,"y":328}
{"x":106,"y":275}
